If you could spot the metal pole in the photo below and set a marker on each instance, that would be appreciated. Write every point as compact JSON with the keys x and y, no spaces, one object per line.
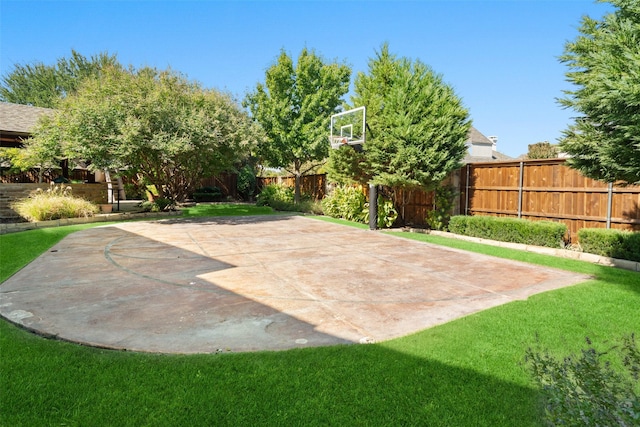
{"x":373,"y":207}
{"x":466,"y":193}
{"x":609,"y":203}
{"x":520,"y":185}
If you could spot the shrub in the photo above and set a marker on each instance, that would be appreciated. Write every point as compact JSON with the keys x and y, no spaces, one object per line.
{"x":387,"y":213}
{"x":246,"y":184}
{"x":277,"y":196}
{"x":281,"y":198}
{"x":159,"y":204}
{"x":611,"y":243}
{"x":309,"y":206}
{"x":207,"y":194}
{"x":350,"y":203}
{"x":587,"y":390}
{"x":54,"y":203}
{"x":345,"y":202}
{"x":135,"y":191}
{"x":514,"y":230}
{"x":438,"y":218}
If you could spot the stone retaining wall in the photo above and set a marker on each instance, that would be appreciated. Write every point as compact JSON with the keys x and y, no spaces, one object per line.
{"x":9,"y":193}
{"x":6,"y":228}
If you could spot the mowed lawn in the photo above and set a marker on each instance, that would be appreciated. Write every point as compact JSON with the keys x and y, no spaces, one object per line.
{"x":469,"y":372}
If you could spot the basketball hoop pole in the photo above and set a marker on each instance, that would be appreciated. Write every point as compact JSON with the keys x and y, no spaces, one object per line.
{"x":373,"y":207}
{"x":352,"y":127}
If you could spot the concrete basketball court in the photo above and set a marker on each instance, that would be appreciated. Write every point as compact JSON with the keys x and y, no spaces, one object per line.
{"x":254,"y":283}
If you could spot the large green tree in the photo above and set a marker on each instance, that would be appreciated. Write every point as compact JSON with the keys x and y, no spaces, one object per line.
{"x":418,"y":125}
{"x":542,"y":150}
{"x":294,"y":107}
{"x":43,"y":85}
{"x":155,"y":124}
{"x":604,"y":66}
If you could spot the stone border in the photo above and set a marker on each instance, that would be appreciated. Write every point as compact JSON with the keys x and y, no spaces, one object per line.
{"x":15,"y":227}
{"x":562,"y":253}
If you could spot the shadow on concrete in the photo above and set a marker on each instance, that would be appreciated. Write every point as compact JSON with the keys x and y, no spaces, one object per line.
{"x":254,"y":283}
{"x":231,"y":220}
{"x":144,"y":295}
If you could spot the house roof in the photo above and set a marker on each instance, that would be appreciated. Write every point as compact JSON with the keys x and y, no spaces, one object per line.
{"x":477,"y":138}
{"x":20,"y":119}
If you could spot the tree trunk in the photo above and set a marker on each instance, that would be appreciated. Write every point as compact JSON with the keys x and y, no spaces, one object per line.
{"x":298,"y":181}
{"x":64,"y":164}
{"x":296,"y":195}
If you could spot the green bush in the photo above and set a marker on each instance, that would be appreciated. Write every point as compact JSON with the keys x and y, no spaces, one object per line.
{"x":348,"y":202}
{"x":588,"y":390}
{"x":54,"y":203}
{"x":134,"y":191}
{"x":611,"y":243}
{"x":158,"y":205}
{"x":207,"y":194}
{"x":387,"y":213}
{"x":277,"y":196}
{"x":281,"y":198}
{"x":246,"y":184}
{"x":514,"y":230}
{"x":308,"y":206}
{"x":438,"y":218}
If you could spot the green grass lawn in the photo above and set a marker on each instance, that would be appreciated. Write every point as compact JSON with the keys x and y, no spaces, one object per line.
{"x":226,"y":209}
{"x":468,"y":372}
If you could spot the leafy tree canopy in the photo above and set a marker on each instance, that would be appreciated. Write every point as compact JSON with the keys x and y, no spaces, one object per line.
{"x":604,"y":66}
{"x":542,"y":150}
{"x":43,"y":85}
{"x":294,"y":107}
{"x":157,"y":124}
{"x":418,"y":125}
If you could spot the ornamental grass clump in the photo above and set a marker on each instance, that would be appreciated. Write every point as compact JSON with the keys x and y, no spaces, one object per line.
{"x":54,"y":203}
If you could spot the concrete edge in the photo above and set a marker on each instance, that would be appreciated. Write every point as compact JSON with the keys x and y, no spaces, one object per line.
{"x":563,"y":253}
{"x":6,"y":228}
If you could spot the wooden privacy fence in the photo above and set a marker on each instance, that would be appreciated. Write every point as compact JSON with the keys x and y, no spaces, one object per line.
{"x":530,"y":189}
{"x":227,"y":182}
{"x":549,"y":190}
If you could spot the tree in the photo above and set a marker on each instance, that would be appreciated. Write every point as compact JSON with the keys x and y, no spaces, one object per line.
{"x":348,"y":165}
{"x":294,"y":107}
{"x":419,"y":126}
{"x":542,"y":150}
{"x":154,"y":124}
{"x":43,"y":85}
{"x":604,"y":65}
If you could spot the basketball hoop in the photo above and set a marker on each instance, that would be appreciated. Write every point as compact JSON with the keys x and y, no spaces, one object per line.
{"x":348,"y":128}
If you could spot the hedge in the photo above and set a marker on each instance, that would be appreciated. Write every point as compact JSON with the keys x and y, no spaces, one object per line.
{"x":208,"y":194}
{"x":513,"y":230}
{"x":610,"y":243}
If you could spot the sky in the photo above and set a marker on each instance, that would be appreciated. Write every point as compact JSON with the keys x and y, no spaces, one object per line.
{"x":501,"y":57}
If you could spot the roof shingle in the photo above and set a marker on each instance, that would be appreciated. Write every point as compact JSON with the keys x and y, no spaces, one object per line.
{"x":17,"y":118}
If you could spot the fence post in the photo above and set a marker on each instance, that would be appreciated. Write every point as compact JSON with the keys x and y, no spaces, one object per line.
{"x":466,"y":193}
{"x":609,"y":203}
{"x":520,"y":185}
